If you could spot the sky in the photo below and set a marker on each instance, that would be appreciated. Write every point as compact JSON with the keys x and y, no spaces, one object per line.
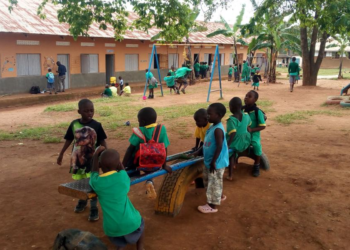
{"x":232,"y":12}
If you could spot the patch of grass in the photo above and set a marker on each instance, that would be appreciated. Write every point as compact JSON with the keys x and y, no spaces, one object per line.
{"x":65,"y":107}
{"x":104,"y":111}
{"x":290,"y":118}
{"x":115,"y":99}
{"x":50,"y":139}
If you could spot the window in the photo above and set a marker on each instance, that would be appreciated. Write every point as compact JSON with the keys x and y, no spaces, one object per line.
{"x":131,"y":62}
{"x":222,"y":59}
{"x":28,"y":64}
{"x":173,"y":60}
{"x":89,"y":63}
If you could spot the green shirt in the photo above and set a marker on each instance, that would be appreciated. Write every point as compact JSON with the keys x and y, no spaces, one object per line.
{"x":147,"y":131}
{"x":196,"y":67}
{"x":172,"y":72}
{"x":149,"y":75}
{"x":293,"y":69}
{"x":230,"y":71}
{"x":257,"y":123}
{"x":119,"y":215}
{"x":108,"y":92}
{"x":242,"y":137}
{"x":170,"y":81}
{"x":252,"y":70}
{"x":235,"y":68}
{"x":182,"y":72}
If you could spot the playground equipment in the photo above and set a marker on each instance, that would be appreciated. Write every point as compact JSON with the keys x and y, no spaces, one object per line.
{"x":336,"y":99}
{"x":345,"y":90}
{"x":216,"y":58}
{"x":173,"y":188}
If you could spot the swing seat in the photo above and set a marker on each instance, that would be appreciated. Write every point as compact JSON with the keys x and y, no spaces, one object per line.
{"x":215,"y":90}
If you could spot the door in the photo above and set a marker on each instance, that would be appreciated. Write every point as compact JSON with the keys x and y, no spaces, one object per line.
{"x":109,"y":67}
{"x":64,"y":59}
{"x":196,"y":58}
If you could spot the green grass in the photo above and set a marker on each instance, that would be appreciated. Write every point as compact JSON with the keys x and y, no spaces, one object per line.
{"x":322,"y":72}
{"x":50,"y":139}
{"x":104,"y":111}
{"x":65,"y":107}
{"x":290,"y":118}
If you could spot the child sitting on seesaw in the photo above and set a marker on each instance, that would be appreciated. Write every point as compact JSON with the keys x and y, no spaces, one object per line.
{"x":87,"y":134}
{"x":170,"y":82}
{"x":237,"y":136}
{"x":216,"y":158}
{"x":148,"y":129}
{"x":258,"y":123}
{"x":201,"y":118}
{"x":122,"y":223}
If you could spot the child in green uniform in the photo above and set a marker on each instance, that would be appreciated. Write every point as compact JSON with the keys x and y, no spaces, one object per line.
{"x":256,"y":80}
{"x":252,"y":70}
{"x":122,"y":223}
{"x":257,"y":68}
{"x":245,"y":72}
{"x":196,"y":69}
{"x":258,"y":124}
{"x":87,"y":134}
{"x":147,"y":118}
{"x":235,"y":70}
{"x":201,"y":118}
{"x":152,"y":83}
{"x":237,"y":136}
{"x":170,"y":82}
{"x":230,"y":69}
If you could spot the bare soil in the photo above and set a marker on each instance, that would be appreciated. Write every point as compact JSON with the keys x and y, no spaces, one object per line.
{"x":301,"y":203}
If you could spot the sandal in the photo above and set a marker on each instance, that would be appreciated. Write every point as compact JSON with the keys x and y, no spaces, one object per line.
{"x":150,"y":191}
{"x":206,"y":209}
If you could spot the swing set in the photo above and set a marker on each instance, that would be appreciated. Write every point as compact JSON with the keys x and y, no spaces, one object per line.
{"x":216,"y":58}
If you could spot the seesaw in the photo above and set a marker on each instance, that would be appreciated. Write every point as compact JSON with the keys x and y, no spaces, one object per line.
{"x":171,"y":194}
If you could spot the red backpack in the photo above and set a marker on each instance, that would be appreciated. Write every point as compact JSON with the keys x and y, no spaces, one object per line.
{"x":151,"y":154}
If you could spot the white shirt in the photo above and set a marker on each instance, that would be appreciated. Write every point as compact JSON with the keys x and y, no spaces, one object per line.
{"x":121,"y":82}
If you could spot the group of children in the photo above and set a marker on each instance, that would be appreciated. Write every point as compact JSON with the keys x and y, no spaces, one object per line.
{"x":122,"y":223}
{"x":248,"y":74}
{"x":112,"y":90}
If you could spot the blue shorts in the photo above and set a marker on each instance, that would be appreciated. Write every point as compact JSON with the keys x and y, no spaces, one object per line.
{"x":131,"y":238}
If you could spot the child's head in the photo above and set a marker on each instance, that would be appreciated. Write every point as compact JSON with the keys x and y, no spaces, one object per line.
{"x":127,"y":84}
{"x":244,"y":61}
{"x":110,"y":161}
{"x":147,"y":116}
{"x":252,"y":65}
{"x":251,"y":98}
{"x":230,"y":66}
{"x":86,"y":110}
{"x":169,"y":74}
{"x":257,"y":65}
{"x":294,"y":59}
{"x":107,"y":86}
{"x":146,"y":70}
{"x":172,"y":68}
{"x":235,"y":104}
{"x":183,"y":65}
{"x":49,"y":69}
{"x":216,"y":112}
{"x":201,"y":118}
{"x":120,"y":77}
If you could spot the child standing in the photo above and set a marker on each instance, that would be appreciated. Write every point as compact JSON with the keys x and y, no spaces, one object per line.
{"x":170,"y":82}
{"x":196,"y":69}
{"x":216,"y":158}
{"x":147,"y":118}
{"x":258,"y":124}
{"x":50,"y":81}
{"x":201,"y":118}
{"x":122,"y":223}
{"x":237,"y":136}
{"x":235,"y":69}
{"x":87,"y":134}
{"x":121,"y":83}
{"x":256,"y":80}
{"x":252,"y":71}
{"x":152,"y":83}
{"x":245,"y":72}
{"x":230,"y":69}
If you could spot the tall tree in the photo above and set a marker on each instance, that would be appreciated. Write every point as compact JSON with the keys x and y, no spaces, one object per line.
{"x":343,"y":41}
{"x":231,"y":32}
{"x":318,"y":20}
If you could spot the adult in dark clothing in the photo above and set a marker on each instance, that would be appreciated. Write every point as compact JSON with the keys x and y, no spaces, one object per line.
{"x":293,"y":71}
{"x":61,"y":76}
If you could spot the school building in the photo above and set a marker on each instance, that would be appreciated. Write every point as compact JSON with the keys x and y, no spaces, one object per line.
{"x":30,"y":45}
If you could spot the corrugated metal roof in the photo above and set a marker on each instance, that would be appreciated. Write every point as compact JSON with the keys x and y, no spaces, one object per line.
{"x":24,"y":19}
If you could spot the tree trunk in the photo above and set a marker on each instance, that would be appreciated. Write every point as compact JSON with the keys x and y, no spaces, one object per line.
{"x":272,"y":75}
{"x":236,"y":57}
{"x":340,"y":68}
{"x":270,"y":78}
{"x":190,"y":58}
{"x":266,"y":72}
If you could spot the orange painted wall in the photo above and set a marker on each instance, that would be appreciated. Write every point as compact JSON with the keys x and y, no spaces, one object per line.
{"x":49,"y":51}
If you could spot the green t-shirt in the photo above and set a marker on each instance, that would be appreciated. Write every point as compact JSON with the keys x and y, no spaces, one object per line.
{"x":235,"y":68}
{"x":230,"y":71}
{"x":257,"y":69}
{"x":119,"y":215}
{"x":172,"y":72}
{"x":108,"y":92}
{"x":196,"y":67}
{"x":293,"y":69}
{"x":170,"y":81}
{"x":252,"y":70}
{"x":242,"y":138}
{"x":182,"y":72}
{"x":149,"y":75}
{"x":257,"y":123}
{"x":147,"y":131}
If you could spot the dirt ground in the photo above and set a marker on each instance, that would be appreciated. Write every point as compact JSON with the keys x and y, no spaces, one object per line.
{"x":301,"y":203}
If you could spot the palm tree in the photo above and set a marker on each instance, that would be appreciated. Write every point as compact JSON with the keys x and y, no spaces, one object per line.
{"x":231,"y":32}
{"x":342,"y":42}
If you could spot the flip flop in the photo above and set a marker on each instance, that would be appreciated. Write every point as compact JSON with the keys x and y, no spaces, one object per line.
{"x":150,"y":191}
{"x":223,"y":198}
{"x":206,"y":209}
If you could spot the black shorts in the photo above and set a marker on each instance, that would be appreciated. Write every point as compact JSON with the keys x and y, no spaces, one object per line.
{"x":131,"y":238}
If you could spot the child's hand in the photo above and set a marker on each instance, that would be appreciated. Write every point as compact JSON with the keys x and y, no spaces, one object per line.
{"x":59,"y":159}
{"x":212,"y":169}
{"x":99,"y":150}
{"x":168,"y":169}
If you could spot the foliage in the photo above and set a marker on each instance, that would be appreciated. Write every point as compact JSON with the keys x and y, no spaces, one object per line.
{"x":342,"y":42}
{"x":65,"y":107}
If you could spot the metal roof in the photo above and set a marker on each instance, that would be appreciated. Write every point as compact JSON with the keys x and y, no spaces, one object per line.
{"x":24,"y":19}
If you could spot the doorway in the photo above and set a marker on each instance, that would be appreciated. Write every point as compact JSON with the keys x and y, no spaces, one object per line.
{"x":109,"y":67}
{"x":64,"y":59}
{"x":196,"y":58}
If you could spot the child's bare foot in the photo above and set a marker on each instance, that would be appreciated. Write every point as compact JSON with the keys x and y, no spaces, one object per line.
{"x":229,"y":178}
{"x":150,"y":191}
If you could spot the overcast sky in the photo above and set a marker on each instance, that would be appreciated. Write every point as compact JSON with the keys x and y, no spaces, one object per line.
{"x":232,"y":12}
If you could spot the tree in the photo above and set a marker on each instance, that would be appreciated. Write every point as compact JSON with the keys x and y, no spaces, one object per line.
{"x":318,"y":20}
{"x":231,"y":32}
{"x":342,"y":42}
